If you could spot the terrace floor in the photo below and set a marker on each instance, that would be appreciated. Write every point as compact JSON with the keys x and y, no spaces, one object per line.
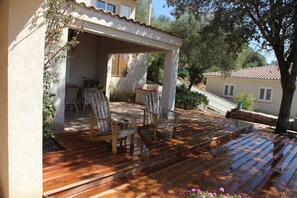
{"x":210,"y":152}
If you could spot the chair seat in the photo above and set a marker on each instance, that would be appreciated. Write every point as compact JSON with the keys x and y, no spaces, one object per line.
{"x":166,"y":124}
{"x":126,"y":132}
{"x":158,"y":117}
{"x":108,"y":128}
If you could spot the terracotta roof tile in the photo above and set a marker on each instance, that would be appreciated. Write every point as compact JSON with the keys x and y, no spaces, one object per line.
{"x":122,"y":18}
{"x":268,"y":72}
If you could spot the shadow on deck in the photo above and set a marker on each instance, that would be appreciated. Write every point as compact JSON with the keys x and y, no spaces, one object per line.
{"x":205,"y":154}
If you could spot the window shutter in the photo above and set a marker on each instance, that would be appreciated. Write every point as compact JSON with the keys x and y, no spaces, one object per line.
{"x":123,"y":64}
{"x":115,"y":63}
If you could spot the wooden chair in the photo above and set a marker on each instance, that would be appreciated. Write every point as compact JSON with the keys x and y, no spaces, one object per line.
{"x":88,"y":94}
{"x":158,"y":117}
{"x":70,"y":96}
{"x":110,"y":128}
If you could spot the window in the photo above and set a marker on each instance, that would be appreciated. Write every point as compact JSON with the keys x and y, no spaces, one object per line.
{"x":265,"y":94}
{"x":119,"y":65}
{"x":125,"y":11}
{"x":229,"y":90}
{"x":106,"y":6}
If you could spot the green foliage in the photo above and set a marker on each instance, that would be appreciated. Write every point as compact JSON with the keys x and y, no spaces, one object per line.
{"x":141,"y":11}
{"x":56,"y":19}
{"x":189,"y":99}
{"x":49,"y":108}
{"x":162,"y":22}
{"x":249,"y":58}
{"x":155,"y":68}
{"x":198,"y":193}
{"x":201,"y":48}
{"x":273,"y":24}
{"x":247,"y":101}
{"x":183,"y":73}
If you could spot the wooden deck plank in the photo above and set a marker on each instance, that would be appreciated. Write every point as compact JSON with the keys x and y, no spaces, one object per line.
{"x":274,"y":184}
{"x":172,"y":166}
{"x":171,"y":176}
{"x":276,"y":159}
{"x":291,"y":190}
{"x":205,"y":164}
{"x":206,"y":182}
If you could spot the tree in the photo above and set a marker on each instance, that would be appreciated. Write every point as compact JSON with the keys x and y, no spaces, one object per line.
{"x":155,"y":68}
{"x":156,"y":60}
{"x":162,"y":22}
{"x":57,"y":18}
{"x":202,"y":50}
{"x":141,"y":10}
{"x":249,"y":58}
{"x":273,"y":23}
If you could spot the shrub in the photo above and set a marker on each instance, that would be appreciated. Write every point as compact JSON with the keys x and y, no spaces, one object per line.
{"x":122,"y":96}
{"x":247,"y":101}
{"x":187,"y":99}
{"x":155,"y":68}
{"x":49,"y":109}
{"x":197,"y":193}
{"x":183,"y":73}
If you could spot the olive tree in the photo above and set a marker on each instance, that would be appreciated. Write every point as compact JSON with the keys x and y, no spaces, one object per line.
{"x":273,"y":23}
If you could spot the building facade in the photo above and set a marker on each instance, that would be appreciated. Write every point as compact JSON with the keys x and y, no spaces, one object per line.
{"x":263,"y":82}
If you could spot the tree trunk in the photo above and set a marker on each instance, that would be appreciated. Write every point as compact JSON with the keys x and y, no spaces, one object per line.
{"x":190,"y":86}
{"x":285,"y":109}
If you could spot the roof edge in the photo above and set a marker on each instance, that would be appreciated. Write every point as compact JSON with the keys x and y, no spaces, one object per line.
{"x":123,"y":18}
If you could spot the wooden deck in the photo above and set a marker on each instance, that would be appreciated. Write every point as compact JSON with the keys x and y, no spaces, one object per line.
{"x":205,"y":155}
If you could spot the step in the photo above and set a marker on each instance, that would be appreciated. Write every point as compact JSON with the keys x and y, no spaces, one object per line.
{"x":101,"y":177}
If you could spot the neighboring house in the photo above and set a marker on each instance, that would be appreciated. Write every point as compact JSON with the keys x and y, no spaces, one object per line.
{"x":21,"y":73}
{"x":263,"y":82}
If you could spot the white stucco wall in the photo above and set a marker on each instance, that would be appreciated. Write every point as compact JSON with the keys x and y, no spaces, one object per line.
{"x":83,"y":60}
{"x":116,"y":35}
{"x":216,"y":85}
{"x":58,"y":87}
{"x":90,"y":59}
{"x":22,"y":55}
{"x":136,"y":76}
{"x":129,"y":3}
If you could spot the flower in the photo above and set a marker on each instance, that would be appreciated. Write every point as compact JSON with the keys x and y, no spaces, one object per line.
{"x":198,"y":193}
{"x":193,"y":190}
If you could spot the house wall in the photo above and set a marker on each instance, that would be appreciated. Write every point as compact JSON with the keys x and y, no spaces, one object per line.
{"x":129,"y":3}
{"x":83,"y":61}
{"x":216,"y":85}
{"x":136,"y":76}
{"x":21,"y":72}
{"x":90,"y":59}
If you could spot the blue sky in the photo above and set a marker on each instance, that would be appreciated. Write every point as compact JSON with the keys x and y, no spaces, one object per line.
{"x":158,"y":10}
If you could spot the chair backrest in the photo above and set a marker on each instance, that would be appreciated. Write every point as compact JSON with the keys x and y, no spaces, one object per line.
{"x":153,"y":104}
{"x":100,"y":106}
{"x":89,"y":92}
{"x":89,"y":83}
{"x":71,"y":94}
